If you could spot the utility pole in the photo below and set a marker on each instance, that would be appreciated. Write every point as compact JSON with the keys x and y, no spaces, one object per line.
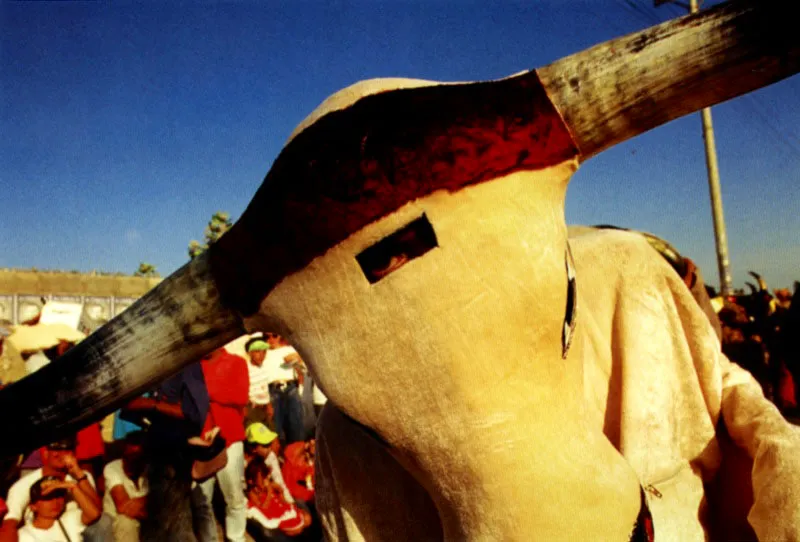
{"x":721,"y":238}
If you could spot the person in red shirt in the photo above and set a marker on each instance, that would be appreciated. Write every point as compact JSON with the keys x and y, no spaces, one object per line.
{"x":228,"y":385}
{"x":298,"y":470}
{"x":268,"y":507}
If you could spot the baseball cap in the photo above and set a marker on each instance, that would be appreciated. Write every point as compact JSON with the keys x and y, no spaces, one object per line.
{"x":37,"y":490}
{"x":66,"y":443}
{"x":258,"y":433}
{"x":257,"y":345}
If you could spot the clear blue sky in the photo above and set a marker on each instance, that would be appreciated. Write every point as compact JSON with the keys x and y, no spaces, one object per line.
{"x":124,"y":127}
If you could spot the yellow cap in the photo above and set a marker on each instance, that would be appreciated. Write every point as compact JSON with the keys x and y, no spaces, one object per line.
{"x":258,"y":433}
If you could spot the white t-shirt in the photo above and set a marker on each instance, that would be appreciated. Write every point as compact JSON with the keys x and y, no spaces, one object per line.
{"x":72,"y":525}
{"x":20,"y":495}
{"x":259,"y":384}
{"x":319,"y":397}
{"x":114,"y":475}
{"x":278,"y":370}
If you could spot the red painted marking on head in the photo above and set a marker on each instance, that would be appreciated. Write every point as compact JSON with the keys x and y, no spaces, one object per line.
{"x":356,"y":165}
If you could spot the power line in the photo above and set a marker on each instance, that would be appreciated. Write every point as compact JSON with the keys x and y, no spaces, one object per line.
{"x":639,"y":11}
{"x":787,"y":141}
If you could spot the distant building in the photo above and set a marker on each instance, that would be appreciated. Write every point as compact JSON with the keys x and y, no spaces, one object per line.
{"x":24,"y":291}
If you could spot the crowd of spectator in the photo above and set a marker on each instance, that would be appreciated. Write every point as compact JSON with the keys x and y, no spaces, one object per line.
{"x":225,"y":448}
{"x":761,"y":332}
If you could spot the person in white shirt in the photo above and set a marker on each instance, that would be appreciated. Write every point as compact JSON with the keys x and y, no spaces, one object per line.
{"x":281,"y":363}
{"x":59,"y":462}
{"x":259,"y":407}
{"x":126,"y":485}
{"x":51,"y":522}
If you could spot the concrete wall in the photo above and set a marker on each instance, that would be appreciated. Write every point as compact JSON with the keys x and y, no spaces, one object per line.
{"x":22,"y":292}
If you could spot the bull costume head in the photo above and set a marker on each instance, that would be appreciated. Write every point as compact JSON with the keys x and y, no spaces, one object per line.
{"x":413,"y":247}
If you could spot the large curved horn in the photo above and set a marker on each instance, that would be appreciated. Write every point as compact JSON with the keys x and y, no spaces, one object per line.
{"x":626,"y":86}
{"x":177,"y":322}
{"x":762,"y":284}
{"x":752,"y":287}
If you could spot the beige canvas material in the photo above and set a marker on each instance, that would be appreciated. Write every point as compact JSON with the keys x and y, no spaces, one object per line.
{"x":656,"y":383}
{"x":363,"y":491}
{"x":444,"y":354}
{"x":651,"y":373}
{"x":455,"y":359}
{"x":659,"y":385}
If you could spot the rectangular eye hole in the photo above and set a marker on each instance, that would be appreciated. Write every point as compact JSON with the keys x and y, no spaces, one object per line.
{"x":397,"y":249}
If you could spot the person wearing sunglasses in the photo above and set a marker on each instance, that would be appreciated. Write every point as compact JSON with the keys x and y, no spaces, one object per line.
{"x":60,"y":463}
{"x":48,"y":503}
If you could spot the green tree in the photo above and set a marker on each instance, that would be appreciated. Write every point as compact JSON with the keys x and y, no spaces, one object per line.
{"x":146,"y":270}
{"x":220,"y":223}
